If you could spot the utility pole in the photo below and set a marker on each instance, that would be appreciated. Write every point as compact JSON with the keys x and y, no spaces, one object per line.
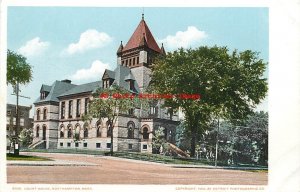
{"x":217,"y":144}
{"x":16,"y":139}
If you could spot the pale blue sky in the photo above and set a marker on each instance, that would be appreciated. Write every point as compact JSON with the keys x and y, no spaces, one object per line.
{"x":44,"y":35}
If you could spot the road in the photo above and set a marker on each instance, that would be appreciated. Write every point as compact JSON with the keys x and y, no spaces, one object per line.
{"x":110,"y":170}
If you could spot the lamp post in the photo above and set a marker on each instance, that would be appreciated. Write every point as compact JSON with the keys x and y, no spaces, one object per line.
{"x":16,"y":139}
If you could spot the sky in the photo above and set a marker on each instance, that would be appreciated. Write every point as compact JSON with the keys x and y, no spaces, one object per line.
{"x":79,"y":43}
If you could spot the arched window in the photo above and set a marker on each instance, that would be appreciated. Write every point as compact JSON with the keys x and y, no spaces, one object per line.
{"x":77,"y":132}
{"x":69,"y":132}
{"x":109,"y":129}
{"x":130,"y":128}
{"x":62,"y":133}
{"x":44,"y":132}
{"x":98,"y":126}
{"x":165,"y":133}
{"x":86,"y":133}
{"x":37,"y":134}
{"x":38,"y":113}
{"x":145,"y":133}
{"x":45,"y":113}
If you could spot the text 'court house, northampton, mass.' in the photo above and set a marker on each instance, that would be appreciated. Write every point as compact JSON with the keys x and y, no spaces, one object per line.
{"x":59,"y":108}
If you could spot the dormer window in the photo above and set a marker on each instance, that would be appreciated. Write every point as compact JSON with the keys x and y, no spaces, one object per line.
{"x":44,"y":94}
{"x":107,"y":83}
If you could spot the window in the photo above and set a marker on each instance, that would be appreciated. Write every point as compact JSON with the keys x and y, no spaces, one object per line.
{"x":68,"y":144}
{"x":70,"y":108}
{"x":78,"y":108}
{"x":165,"y":133}
{"x":77,"y":132}
{"x":133,"y":61}
{"x":129,"y":146}
{"x":86,"y":133}
{"x":129,"y":62}
{"x":137,"y":60}
{"x":37,"y":134}
{"x":69,"y":132}
{"x":130,"y":127}
{"x":14,"y":121}
{"x":144,"y":147}
{"x":62,"y":110}
{"x":7,"y":120}
{"x":84,"y":144}
{"x":131,"y":85}
{"x":131,"y":111}
{"x":45,"y":114}
{"x":38,"y":114}
{"x":108,"y":129}
{"x":98,"y":134}
{"x":76,"y":144}
{"x":22,"y":121}
{"x":86,"y":102}
{"x":62,"y":134}
{"x":145,"y":133}
{"x":98,"y":145}
{"x":108,"y":145}
{"x":61,"y":144}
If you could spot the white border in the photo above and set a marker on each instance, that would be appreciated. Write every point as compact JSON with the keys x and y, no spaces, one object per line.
{"x":284,"y":83}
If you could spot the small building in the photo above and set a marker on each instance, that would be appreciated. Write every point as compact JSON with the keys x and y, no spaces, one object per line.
{"x":11,"y":120}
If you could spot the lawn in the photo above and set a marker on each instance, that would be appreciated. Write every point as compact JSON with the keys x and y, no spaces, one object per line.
{"x":12,"y":157}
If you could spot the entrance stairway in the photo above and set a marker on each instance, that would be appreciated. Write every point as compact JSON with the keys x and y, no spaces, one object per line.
{"x":178,"y":151}
{"x":40,"y":144}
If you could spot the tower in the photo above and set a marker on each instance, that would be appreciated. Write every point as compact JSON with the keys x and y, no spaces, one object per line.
{"x":141,"y":48}
{"x":139,"y":52}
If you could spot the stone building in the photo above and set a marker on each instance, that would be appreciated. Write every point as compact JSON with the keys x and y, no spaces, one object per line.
{"x":11,"y":120}
{"x":58,"y":110}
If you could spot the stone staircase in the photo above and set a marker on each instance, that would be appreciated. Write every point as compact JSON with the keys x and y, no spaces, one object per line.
{"x":177,"y":150}
{"x":40,"y":144}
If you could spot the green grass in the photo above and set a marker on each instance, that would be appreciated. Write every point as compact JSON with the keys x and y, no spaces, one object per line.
{"x":147,"y":157}
{"x":12,"y":157}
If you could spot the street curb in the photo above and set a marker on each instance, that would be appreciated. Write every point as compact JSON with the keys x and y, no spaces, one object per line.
{"x":25,"y":164}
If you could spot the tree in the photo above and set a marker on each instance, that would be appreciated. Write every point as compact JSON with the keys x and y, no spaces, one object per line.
{"x":230,"y":84}
{"x":26,"y":137}
{"x":242,"y":142}
{"x":159,"y":143}
{"x":108,"y":104}
{"x":18,"y":70}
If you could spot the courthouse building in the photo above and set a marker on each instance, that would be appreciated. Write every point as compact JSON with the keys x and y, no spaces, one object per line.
{"x":60,"y":106}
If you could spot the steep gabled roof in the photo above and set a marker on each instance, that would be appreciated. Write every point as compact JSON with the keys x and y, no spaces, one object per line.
{"x":121,"y":75}
{"x":142,"y":31}
{"x":84,"y":88}
{"x":108,"y":74}
{"x":46,"y":88}
{"x":57,"y":88}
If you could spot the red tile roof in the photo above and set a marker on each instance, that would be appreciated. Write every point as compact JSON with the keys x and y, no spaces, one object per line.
{"x":141,"y":31}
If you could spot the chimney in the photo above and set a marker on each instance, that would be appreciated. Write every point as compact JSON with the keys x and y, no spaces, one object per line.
{"x":66,"y":81}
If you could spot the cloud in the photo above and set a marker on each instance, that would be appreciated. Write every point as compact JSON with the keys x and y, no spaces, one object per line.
{"x":90,"y":39}
{"x":192,"y":36}
{"x":33,"y":47}
{"x":94,"y":72}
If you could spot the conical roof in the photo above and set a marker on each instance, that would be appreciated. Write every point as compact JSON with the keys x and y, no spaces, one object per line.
{"x":142,"y":31}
